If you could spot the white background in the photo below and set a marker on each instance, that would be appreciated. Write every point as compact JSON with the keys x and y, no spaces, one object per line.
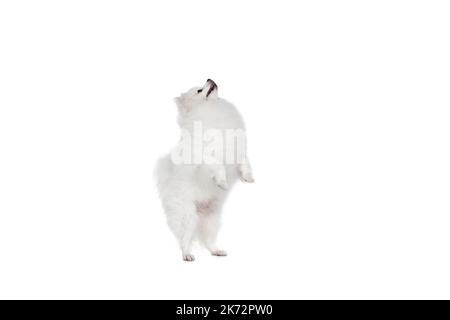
{"x":347,"y":109}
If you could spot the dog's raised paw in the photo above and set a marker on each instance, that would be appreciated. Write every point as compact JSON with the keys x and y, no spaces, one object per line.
{"x":222,"y":184}
{"x":188,"y":257}
{"x":219,"y":253}
{"x":247,"y":178}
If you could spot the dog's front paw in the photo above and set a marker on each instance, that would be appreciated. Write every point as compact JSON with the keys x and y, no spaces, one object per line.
{"x":219,"y":253}
{"x":247,"y":177}
{"x":221,"y":183}
{"x":188,"y":257}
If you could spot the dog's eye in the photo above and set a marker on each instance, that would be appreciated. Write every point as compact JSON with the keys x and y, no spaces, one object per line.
{"x":199,"y":90}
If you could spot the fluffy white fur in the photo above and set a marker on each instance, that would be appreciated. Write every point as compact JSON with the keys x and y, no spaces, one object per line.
{"x":193,"y":194}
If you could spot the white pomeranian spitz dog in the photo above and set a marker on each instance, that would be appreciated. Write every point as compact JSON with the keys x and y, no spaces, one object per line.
{"x":195,"y":179}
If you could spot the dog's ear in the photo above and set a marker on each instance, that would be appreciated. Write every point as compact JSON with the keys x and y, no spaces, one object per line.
{"x":181,"y":104}
{"x":177,"y":101}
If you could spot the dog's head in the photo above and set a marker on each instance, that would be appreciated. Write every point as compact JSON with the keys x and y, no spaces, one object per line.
{"x":196,"y":96}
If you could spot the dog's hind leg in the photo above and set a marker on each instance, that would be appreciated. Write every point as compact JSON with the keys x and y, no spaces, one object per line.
{"x":209,"y":225}
{"x":183,"y":223}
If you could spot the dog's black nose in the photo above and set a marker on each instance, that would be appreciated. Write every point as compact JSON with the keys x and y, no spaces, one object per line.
{"x":212,"y":87}
{"x":212,"y":82}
